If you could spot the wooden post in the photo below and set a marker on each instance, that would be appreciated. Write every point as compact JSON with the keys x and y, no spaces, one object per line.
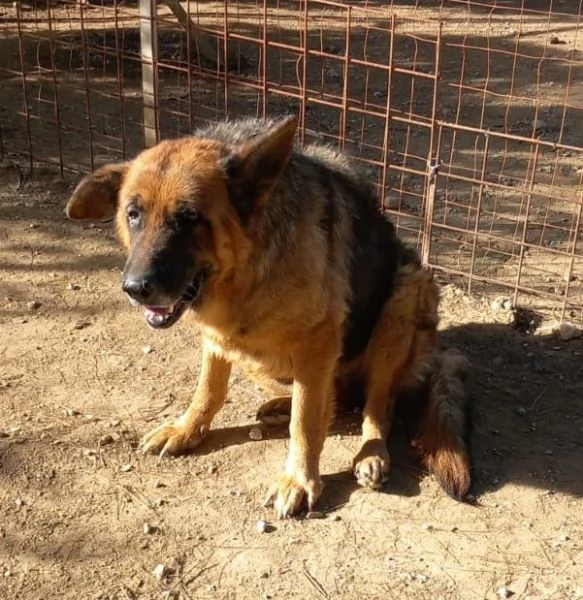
{"x":149,"y":53}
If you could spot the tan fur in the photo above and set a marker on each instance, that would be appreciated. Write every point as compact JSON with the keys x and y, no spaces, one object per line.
{"x":290,"y":327}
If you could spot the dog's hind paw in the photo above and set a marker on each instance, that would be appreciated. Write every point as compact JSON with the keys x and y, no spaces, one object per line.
{"x":173,"y":438}
{"x":276,"y":411}
{"x":371,"y":464}
{"x":288,"y":494}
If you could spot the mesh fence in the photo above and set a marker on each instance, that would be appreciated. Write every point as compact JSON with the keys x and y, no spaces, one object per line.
{"x":467,"y":114}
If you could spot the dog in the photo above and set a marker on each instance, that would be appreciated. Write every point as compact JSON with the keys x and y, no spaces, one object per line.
{"x":290,"y":269}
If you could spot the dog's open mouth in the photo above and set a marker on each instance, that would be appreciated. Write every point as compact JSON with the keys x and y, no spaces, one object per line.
{"x":162,"y":317}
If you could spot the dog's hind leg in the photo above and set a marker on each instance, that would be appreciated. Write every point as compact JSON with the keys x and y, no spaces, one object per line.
{"x":404,"y":337}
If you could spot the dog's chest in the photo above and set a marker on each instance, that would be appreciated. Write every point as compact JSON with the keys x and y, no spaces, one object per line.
{"x":248,"y":352}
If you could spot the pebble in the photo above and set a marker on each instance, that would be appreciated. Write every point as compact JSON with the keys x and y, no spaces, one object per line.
{"x":549,"y":452}
{"x":255,"y":434}
{"x":148,"y":529}
{"x":427,"y":527}
{"x":147,"y":350}
{"x":160,"y":571}
{"x":503,"y":592}
{"x":315,"y":514}
{"x":336,"y":518}
{"x":34,"y":304}
{"x":262,"y":526}
{"x":567,"y":332}
{"x":71,"y":412}
{"x":106,"y":439}
{"x":19,"y":502}
{"x":73,"y":287}
{"x":521,"y":411}
{"x":127,"y":467}
{"x":81,"y":324}
{"x":89,"y":452}
{"x":501,"y":303}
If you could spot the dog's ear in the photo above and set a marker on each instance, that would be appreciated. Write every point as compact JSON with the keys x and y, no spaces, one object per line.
{"x":96,"y":196}
{"x":253,"y":169}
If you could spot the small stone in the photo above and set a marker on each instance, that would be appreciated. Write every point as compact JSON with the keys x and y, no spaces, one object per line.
{"x":4,"y":434}
{"x":498,"y":361}
{"x":147,"y":349}
{"x":336,"y":518}
{"x":549,"y":452}
{"x":81,"y":324}
{"x":315,"y":514}
{"x":127,"y":467}
{"x":148,"y":529}
{"x":521,"y":411}
{"x":503,"y":592}
{"x":71,"y":412}
{"x":255,"y":434}
{"x":73,"y":287}
{"x":501,"y":304}
{"x":160,"y":571}
{"x":262,"y":526}
{"x":34,"y":305}
{"x":20,"y":320}
{"x":158,"y":484}
{"x":563,"y":538}
{"x":427,"y":526}
{"x":567,"y":332}
{"x":89,"y":452}
{"x":7,"y":573}
{"x":106,"y":439}
{"x":19,"y":502}
{"x":212,"y":469}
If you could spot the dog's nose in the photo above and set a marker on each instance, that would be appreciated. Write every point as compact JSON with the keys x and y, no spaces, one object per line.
{"x":137,"y":288}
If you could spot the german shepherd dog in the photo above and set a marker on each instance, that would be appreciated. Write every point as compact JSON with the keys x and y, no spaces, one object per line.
{"x":289,"y":267}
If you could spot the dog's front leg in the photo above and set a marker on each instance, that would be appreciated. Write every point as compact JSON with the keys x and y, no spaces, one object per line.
{"x":311,"y":409}
{"x":188,"y":431}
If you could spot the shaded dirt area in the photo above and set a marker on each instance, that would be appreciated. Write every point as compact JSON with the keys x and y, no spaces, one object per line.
{"x":82,"y":515}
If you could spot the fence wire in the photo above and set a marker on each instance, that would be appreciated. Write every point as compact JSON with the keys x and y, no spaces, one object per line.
{"x":467,"y":114}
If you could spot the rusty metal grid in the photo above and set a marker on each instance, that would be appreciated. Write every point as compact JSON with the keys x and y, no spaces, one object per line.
{"x":467,"y":114}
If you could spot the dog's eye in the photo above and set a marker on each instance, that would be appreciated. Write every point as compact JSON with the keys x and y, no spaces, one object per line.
{"x":134,"y":215}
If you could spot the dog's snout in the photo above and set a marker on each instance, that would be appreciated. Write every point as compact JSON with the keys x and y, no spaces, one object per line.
{"x":138,"y":288}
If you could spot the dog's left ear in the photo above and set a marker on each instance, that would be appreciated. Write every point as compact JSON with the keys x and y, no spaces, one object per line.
{"x":253,"y":169}
{"x":96,"y":196}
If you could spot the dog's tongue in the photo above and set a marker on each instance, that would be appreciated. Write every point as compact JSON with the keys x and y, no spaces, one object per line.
{"x":158,"y":315}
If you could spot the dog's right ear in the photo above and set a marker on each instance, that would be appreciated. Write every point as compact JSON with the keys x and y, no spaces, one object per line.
{"x":96,"y":196}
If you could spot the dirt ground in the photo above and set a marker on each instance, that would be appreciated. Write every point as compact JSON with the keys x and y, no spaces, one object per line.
{"x":82,"y":378}
{"x":82,"y":515}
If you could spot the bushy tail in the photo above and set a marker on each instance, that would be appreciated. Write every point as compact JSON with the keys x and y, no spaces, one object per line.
{"x":443,"y":437}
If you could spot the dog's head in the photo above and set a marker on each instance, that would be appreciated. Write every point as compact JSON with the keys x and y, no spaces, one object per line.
{"x":185,"y":211}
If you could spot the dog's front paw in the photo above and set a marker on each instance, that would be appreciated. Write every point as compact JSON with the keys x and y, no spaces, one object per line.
{"x":289,"y":493}
{"x":371,"y":464}
{"x":173,"y":438}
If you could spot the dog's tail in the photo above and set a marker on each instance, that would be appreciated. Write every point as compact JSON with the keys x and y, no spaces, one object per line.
{"x":443,"y":437}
